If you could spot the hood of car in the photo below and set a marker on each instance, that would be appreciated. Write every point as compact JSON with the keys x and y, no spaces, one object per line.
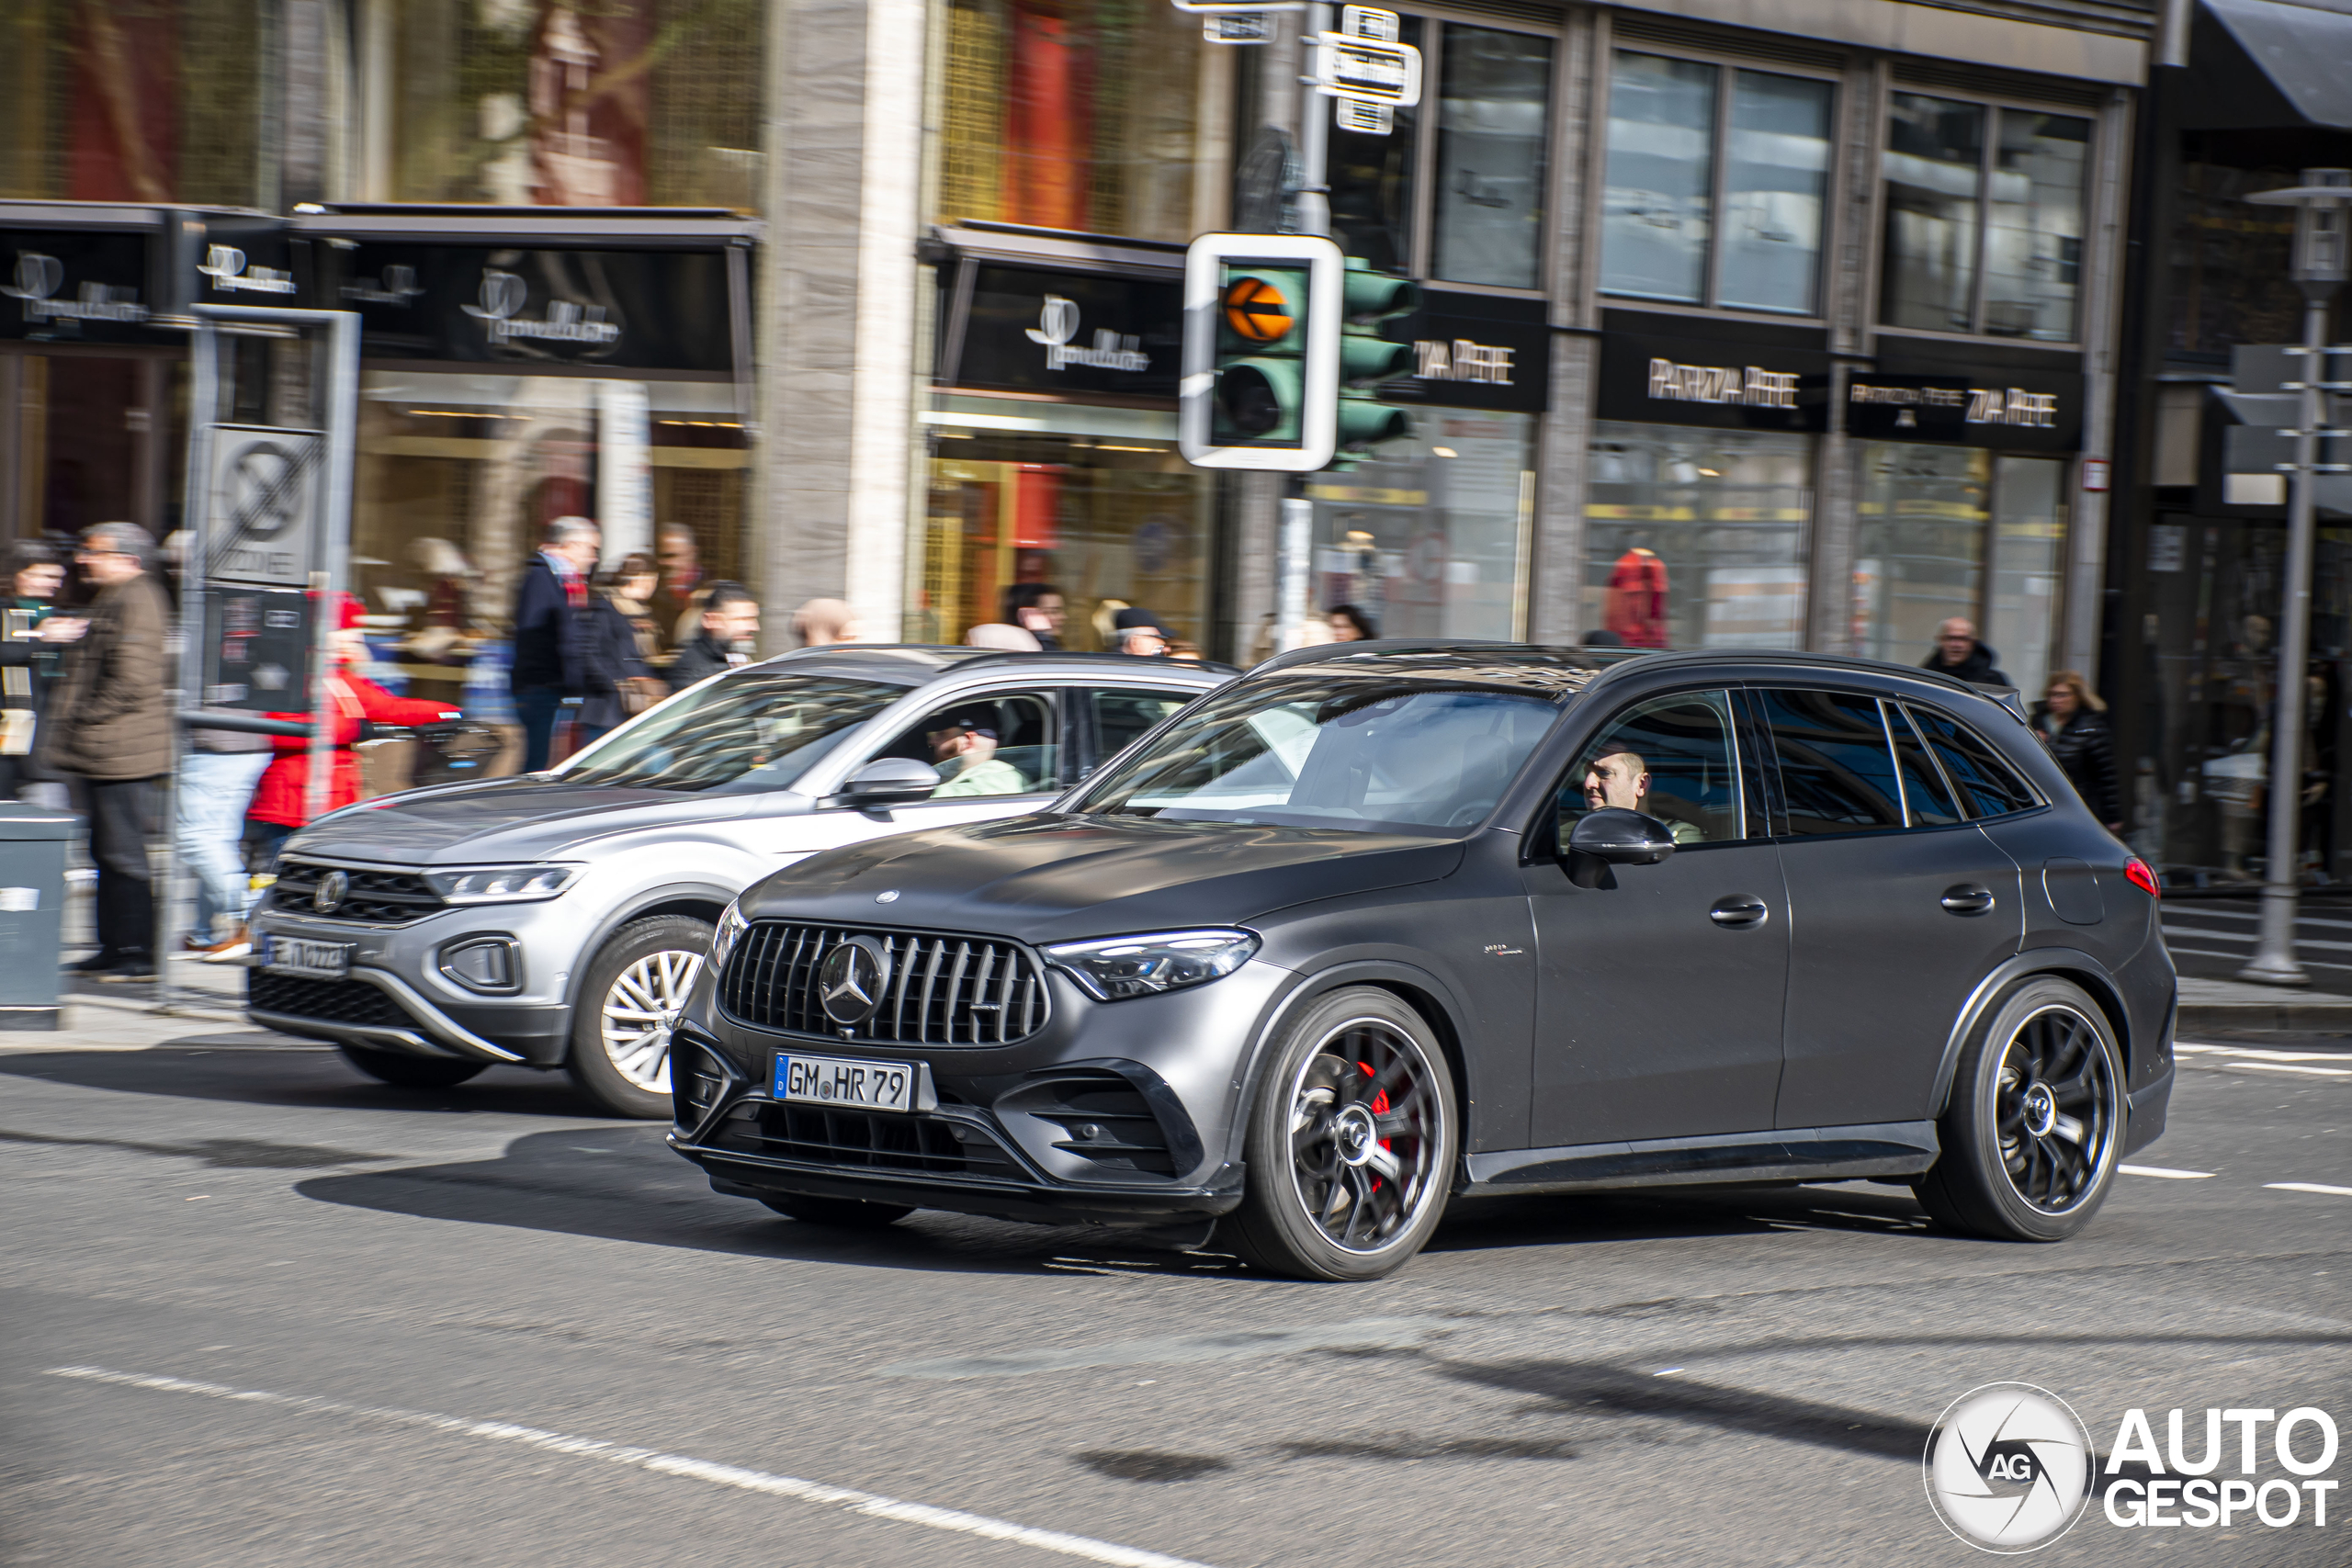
{"x":1043,"y":878}
{"x":503,"y":819}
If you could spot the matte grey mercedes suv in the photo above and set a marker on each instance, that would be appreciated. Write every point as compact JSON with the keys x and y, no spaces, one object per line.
{"x":559,"y":918}
{"x":1385,"y":922}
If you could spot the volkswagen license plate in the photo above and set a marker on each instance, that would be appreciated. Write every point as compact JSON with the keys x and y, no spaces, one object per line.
{"x":829,"y":1080}
{"x":311,"y":960}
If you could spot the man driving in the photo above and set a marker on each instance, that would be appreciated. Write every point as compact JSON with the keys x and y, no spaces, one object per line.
{"x":964,"y":750}
{"x":1623,"y":779}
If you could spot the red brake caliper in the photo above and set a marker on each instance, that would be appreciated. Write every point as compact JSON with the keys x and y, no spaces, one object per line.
{"x":1379,"y":1108}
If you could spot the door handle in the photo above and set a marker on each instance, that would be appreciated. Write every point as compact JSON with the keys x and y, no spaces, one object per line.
{"x":1967,"y":899}
{"x":1736,"y":909}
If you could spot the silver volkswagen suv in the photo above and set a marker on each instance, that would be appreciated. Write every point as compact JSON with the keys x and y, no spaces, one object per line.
{"x":559,"y":918}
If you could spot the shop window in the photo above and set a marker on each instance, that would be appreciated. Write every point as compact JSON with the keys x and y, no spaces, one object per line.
{"x":1689,"y":141}
{"x":623,"y":103}
{"x":1984,"y":219}
{"x":1696,"y":537}
{"x":1083,"y":118}
{"x":1952,"y":531}
{"x":2230,"y":278}
{"x":1426,"y":536}
{"x":1492,"y":128}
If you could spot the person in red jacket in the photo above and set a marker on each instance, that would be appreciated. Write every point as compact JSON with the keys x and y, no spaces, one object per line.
{"x":281,"y":801}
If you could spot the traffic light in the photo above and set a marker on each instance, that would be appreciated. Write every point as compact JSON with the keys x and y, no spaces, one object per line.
{"x":1261,"y":352}
{"x":1373,"y":349}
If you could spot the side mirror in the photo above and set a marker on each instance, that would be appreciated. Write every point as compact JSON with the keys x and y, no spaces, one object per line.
{"x":1614,"y":837}
{"x":889,"y":781}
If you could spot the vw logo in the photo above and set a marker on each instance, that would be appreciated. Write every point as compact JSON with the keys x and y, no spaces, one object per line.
{"x":327,"y":897}
{"x":851,"y":980}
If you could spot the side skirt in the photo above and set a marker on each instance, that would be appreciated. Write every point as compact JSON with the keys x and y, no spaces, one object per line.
{"x":1787,"y":1154}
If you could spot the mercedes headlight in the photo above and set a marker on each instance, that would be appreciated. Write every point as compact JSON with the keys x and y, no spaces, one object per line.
{"x":1125,"y":967}
{"x":502,"y":883}
{"x":732,"y":927}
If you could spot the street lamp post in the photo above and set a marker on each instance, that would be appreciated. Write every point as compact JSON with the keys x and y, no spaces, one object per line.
{"x":2323,"y":253}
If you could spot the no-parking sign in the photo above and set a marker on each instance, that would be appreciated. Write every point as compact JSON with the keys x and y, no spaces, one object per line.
{"x":265,"y":496}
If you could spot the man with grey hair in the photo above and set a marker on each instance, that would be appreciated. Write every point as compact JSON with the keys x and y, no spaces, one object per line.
{"x":549,"y":667}
{"x":108,"y":732}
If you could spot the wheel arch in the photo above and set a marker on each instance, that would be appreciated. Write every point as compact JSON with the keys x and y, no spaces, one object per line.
{"x":2035,"y":963}
{"x":700,"y":900}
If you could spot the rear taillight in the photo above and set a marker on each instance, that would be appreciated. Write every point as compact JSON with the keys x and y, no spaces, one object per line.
{"x":2142,"y":877}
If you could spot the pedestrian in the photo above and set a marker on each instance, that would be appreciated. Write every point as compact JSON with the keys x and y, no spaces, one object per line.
{"x":730,"y":631}
{"x":281,"y":801}
{"x":1003,"y":637}
{"x":615,"y":683}
{"x":32,"y":653}
{"x":2072,"y":722}
{"x":218,"y":772}
{"x":677,"y":598}
{"x":1349,"y":624}
{"x":821,"y":623}
{"x":1138,"y":633}
{"x":548,"y":672}
{"x":1038,"y":609}
{"x":1960,"y":656}
{"x":631,"y":586}
{"x":108,"y":732}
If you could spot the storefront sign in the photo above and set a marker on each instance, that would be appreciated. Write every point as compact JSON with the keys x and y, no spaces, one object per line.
{"x":633,"y":309}
{"x":1477,"y":351}
{"x":1040,"y":330}
{"x":1662,"y":380}
{"x":2035,"y":410}
{"x":60,"y":287}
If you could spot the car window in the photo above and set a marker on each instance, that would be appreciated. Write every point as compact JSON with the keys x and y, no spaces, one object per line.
{"x":759,"y":729}
{"x":1987,"y":786}
{"x":992,"y":743}
{"x":1323,"y":751}
{"x":1121,"y":716}
{"x":1671,"y":757}
{"x":1836,"y":766}
{"x":1926,"y":796}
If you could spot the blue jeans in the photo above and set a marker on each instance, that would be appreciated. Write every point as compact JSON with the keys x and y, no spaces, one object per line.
{"x":537,"y":708}
{"x":214,"y":788}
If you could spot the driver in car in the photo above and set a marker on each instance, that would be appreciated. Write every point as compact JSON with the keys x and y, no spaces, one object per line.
{"x":964,"y":750}
{"x":1623,"y":779}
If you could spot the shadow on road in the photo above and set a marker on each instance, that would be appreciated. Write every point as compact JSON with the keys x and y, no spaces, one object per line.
{"x":228,"y":1065}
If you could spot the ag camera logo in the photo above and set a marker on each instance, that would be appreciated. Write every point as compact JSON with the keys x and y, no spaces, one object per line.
{"x":2008,"y":1468}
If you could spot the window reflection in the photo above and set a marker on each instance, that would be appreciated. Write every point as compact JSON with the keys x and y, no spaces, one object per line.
{"x":1491,"y":123}
{"x":1935,"y":157}
{"x":1372,"y":184}
{"x":1657,"y":217}
{"x":1918,"y":545}
{"x":1775,"y":176}
{"x":2033,"y":245}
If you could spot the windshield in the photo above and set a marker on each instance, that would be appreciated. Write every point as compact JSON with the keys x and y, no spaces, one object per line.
{"x":1320,"y":752}
{"x":758,"y":731}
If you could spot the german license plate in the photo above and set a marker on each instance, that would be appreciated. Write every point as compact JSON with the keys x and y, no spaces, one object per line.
{"x":311,"y":960}
{"x":829,"y":1080}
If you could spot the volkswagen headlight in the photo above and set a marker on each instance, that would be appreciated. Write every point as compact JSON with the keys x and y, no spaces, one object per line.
{"x":502,"y":883}
{"x":1125,"y":967}
{"x":732,"y":927}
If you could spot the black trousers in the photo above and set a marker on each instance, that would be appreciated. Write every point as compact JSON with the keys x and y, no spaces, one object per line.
{"x":122,"y":814}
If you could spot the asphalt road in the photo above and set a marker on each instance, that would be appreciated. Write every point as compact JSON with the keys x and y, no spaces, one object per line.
{"x":258,"y":1311}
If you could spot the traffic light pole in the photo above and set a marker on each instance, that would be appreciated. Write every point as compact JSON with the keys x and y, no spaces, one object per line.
{"x":1295,"y":542}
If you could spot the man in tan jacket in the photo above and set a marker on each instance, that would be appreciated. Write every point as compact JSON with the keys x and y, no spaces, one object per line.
{"x":109,"y":731}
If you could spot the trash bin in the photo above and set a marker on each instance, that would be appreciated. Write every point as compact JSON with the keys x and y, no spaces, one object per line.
{"x":32,"y":911}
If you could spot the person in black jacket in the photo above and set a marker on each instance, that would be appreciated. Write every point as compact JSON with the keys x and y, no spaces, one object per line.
{"x":612,"y":666}
{"x":1960,"y":656}
{"x":30,"y":661}
{"x":2072,"y":722}
{"x":548,"y":625}
{"x":731,"y":627}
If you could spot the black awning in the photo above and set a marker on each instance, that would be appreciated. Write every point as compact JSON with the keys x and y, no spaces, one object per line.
{"x":2265,"y":63}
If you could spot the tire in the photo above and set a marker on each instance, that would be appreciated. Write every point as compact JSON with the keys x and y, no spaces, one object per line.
{"x":2035,"y":1125}
{"x":1351,"y":1143}
{"x":840,"y":1213}
{"x":398,"y":1069}
{"x":629,"y":1002}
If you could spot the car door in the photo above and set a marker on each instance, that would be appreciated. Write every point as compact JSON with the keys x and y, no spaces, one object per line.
{"x":1897,"y":906}
{"x":1658,"y":999}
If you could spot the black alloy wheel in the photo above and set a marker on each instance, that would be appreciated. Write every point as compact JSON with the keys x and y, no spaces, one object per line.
{"x":1352,"y":1143}
{"x":2036,"y":1120}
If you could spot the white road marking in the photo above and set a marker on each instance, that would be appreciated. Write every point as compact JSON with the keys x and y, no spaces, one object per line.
{"x":2211,"y":935}
{"x":2167,"y":1175}
{"x":871,"y":1505}
{"x":2192,"y":911}
{"x":2290,"y":1068}
{"x":2259,"y":1053}
{"x":2308,"y":1186}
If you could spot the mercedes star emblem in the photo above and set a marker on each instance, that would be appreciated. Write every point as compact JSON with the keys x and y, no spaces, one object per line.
{"x":851,"y":980}
{"x":889,"y":897}
{"x":327,"y":897}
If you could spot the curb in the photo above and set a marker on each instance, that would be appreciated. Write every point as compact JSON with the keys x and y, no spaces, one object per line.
{"x":2297,"y":1016}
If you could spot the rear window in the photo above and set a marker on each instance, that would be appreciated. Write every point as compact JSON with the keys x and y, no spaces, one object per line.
{"x":1988,"y":787}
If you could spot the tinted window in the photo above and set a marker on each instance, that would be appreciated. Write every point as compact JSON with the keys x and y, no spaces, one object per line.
{"x":1120,"y":717}
{"x":1988,"y":787}
{"x":1316,"y":750}
{"x":1924,"y":790}
{"x":995,"y":743}
{"x":758,"y":731}
{"x":1670,"y":757}
{"x":1837,"y":768}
